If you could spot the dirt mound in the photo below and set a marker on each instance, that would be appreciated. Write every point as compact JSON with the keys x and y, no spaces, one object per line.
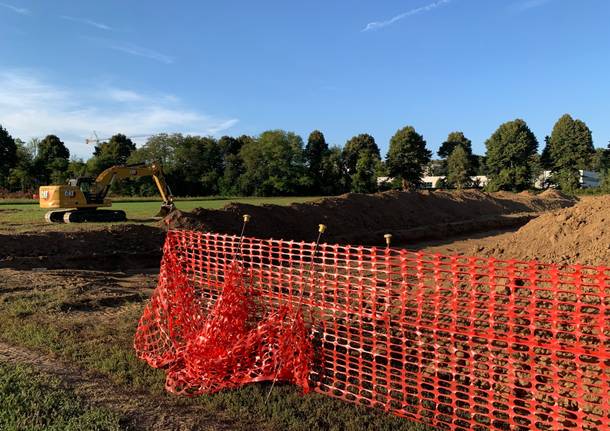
{"x":363,"y":219}
{"x":580,"y":234}
{"x":115,"y":247}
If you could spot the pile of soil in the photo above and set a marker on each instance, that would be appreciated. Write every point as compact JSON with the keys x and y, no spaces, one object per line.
{"x":580,"y":234}
{"x":364,"y":219}
{"x":115,"y":247}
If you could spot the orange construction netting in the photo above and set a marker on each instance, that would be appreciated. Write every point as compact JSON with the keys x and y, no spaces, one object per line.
{"x":456,"y":342}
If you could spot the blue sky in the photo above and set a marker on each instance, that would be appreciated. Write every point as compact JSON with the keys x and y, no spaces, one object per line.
{"x":344,"y":67}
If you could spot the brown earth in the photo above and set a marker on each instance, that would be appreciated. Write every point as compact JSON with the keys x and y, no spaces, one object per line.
{"x":364,"y":219}
{"x":114,"y":248}
{"x":580,"y":234}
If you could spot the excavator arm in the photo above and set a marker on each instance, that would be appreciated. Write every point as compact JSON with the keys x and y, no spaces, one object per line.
{"x":104,"y":181}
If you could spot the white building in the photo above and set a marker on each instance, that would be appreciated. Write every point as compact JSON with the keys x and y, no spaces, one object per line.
{"x":587,"y":179}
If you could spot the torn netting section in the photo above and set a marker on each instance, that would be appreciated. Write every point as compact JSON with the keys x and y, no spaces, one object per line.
{"x":236,"y":340}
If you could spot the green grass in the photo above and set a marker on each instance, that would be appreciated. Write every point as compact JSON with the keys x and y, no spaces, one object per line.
{"x":31,"y":402}
{"x":31,"y":319}
{"x":23,"y":217}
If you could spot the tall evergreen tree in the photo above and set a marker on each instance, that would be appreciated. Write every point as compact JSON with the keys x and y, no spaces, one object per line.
{"x":407,"y":157}
{"x":568,"y":149}
{"x":459,"y":168}
{"x":453,"y":140}
{"x":315,"y":152}
{"x":510,"y":157}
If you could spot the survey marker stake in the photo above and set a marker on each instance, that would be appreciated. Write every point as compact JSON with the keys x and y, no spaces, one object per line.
{"x":321,"y":230}
{"x":246,"y":219}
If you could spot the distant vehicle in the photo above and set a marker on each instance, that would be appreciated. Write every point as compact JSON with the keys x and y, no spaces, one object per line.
{"x":80,"y":199}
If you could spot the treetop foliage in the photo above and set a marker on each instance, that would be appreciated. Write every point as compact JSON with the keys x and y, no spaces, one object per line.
{"x":568,"y":149}
{"x":454,"y":139}
{"x":407,"y":157}
{"x":354,"y":148}
{"x":510,"y":157}
{"x":459,"y":168}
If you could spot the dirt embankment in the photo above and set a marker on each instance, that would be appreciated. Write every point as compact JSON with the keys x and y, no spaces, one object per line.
{"x":363,"y":219}
{"x":115,"y":247}
{"x":580,"y":234}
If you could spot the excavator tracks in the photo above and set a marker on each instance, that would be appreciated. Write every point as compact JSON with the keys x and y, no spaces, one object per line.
{"x":82,"y":216}
{"x":55,"y":216}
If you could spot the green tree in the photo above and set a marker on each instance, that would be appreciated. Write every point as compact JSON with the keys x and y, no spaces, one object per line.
{"x":21,"y":176}
{"x":8,"y":155}
{"x":354,"y":148}
{"x":407,"y":157}
{"x":158,"y":148}
{"x":364,"y":179}
{"x":601,"y":164}
{"x":232,"y":164}
{"x":335,"y":179}
{"x":116,"y":151}
{"x":192,"y":165}
{"x":568,"y":149}
{"x":459,"y":168}
{"x":315,"y":152}
{"x":77,"y":168}
{"x":52,"y":159}
{"x":510,"y":157}
{"x":600,"y":159}
{"x":273,"y":164}
{"x":453,"y":140}
{"x":199,"y":162}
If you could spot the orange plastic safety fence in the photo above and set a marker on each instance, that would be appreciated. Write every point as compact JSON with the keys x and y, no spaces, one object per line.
{"x":460,"y":343}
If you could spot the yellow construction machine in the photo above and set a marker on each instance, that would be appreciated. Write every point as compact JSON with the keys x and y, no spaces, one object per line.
{"x":80,"y":199}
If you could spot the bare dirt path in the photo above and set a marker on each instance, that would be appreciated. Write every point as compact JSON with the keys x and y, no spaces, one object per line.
{"x":142,"y":410}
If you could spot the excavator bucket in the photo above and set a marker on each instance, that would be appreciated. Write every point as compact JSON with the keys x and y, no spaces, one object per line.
{"x":165,"y":210}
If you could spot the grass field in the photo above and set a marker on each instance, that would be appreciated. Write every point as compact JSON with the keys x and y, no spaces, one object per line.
{"x":42,"y":315}
{"x":31,"y":402}
{"x":24,"y":216}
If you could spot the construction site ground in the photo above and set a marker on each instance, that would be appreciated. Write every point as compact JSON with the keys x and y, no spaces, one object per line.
{"x":71,"y":297}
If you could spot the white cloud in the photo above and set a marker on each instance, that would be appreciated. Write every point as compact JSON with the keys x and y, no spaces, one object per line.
{"x":31,"y":107}
{"x":381,"y":24}
{"x":98,"y":25}
{"x":19,"y":10}
{"x":139,"y":51}
{"x":121,"y":95}
{"x":528,"y":4}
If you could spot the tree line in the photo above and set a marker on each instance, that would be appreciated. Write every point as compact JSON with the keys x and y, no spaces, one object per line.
{"x":278,"y":162}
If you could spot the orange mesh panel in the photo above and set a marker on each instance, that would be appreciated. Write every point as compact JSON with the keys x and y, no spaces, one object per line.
{"x":456,"y":342}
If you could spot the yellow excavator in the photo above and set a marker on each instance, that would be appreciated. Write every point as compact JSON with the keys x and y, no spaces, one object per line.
{"x":80,"y":199}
